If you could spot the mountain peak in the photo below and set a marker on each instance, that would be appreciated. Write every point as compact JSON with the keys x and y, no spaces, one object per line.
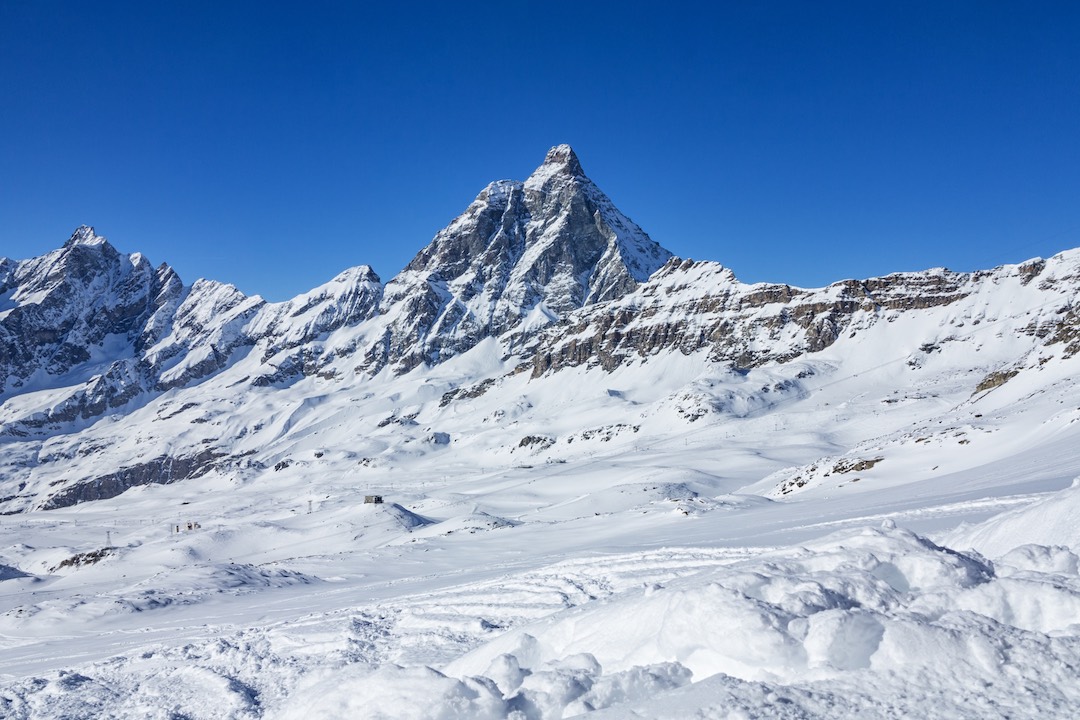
{"x":520,"y":254}
{"x":560,"y":160}
{"x":84,"y":235}
{"x":564,"y":157}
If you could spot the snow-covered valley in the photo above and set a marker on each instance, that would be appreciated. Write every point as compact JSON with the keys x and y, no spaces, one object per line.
{"x":612,"y":483}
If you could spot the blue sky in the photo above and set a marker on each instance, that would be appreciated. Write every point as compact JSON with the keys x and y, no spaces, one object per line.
{"x":272,"y":145}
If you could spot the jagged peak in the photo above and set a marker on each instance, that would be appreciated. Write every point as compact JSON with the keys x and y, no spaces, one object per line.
{"x":564,"y":157}
{"x":216,"y":288}
{"x":560,"y":161}
{"x":85,"y":235}
{"x":357,"y":274}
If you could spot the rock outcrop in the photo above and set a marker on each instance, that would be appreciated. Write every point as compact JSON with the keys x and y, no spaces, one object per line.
{"x":692,"y":306}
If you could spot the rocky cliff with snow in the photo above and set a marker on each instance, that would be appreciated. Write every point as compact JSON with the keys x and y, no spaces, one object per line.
{"x":692,"y":306}
{"x":117,"y":374}
{"x":86,"y":330}
{"x":522,"y":255}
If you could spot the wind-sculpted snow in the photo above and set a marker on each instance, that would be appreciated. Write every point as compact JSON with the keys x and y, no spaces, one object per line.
{"x":290,"y":596}
{"x":870,"y":622}
{"x":1046,"y":529}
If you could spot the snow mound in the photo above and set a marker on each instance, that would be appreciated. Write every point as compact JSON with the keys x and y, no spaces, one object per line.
{"x":870,"y":602}
{"x":390,"y":691}
{"x":477,"y":521}
{"x":386,"y":517}
{"x":404,"y":517}
{"x":559,"y":689}
{"x":467,"y":524}
{"x":1054,"y":521}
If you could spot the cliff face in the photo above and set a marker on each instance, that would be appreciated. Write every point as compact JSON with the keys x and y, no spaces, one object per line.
{"x":83,"y":317}
{"x":693,"y":306}
{"x":59,"y":311}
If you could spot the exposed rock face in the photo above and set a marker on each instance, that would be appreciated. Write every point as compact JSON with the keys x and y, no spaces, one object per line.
{"x":119,"y":331}
{"x":350,"y":298}
{"x":529,"y":252}
{"x":162,"y":471}
{"x":690,"y":306}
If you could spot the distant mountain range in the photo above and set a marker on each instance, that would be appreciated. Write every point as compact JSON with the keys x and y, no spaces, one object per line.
{"x":117,"y":374}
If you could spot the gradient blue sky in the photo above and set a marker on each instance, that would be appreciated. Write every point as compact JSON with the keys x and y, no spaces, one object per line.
{"x":272,"y":145}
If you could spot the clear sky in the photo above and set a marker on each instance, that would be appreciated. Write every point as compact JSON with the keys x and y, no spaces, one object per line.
{"x":272,"y":144}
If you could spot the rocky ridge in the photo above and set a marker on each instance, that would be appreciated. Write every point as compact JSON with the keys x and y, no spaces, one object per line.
{"x":86,"y":331}
{"x":693,"y":306}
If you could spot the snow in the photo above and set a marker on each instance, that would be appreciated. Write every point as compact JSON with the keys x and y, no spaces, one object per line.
{"x":1053,"y":522}
{"x":85,"y":235}
{"x":614,"y":571}
{"x":869,"y":530}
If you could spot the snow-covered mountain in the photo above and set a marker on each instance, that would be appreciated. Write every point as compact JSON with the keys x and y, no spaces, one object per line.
{"x":93,"y":334}
{"x":522,"y":255}
{"x":572,"y":429}
{"x":690,"y":306}
{"x":88,"y":331}
{"x":110,"y":329}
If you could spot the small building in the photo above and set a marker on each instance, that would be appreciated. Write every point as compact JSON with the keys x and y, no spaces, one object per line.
{"x":376,"y":499}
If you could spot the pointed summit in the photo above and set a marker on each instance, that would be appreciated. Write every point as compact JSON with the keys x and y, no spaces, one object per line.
{"x":564,"y":159}
{"x":561,"y":162}
{"x":84,"y":235}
